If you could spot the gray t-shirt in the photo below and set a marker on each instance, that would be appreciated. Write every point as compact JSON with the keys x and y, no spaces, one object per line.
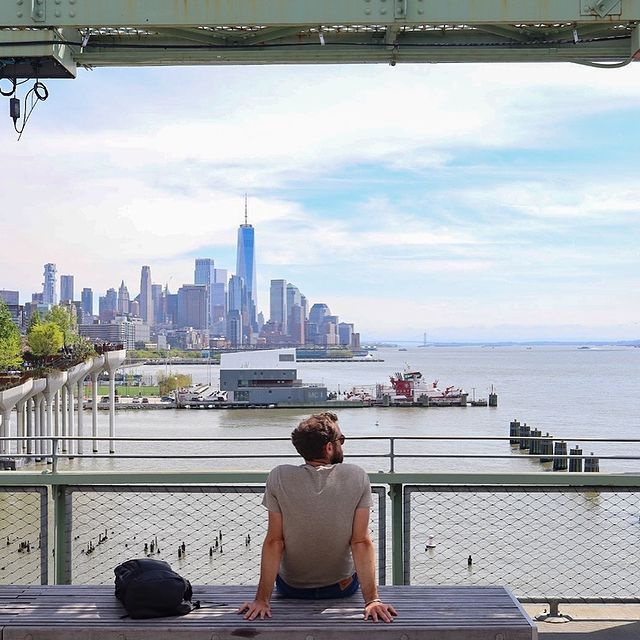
{"x":317,"y":506}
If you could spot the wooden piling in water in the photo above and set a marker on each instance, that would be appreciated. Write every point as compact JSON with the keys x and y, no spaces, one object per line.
{"x":534,"y":445}
{"x":592,"y":465}
{"x":546,"y":448}
{"x":525,"y":432}
{"x":560,"y":449}
{"x":575,"y":463}
{"x":514,"y":432}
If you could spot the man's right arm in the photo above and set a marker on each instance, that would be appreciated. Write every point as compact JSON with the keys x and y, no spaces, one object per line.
{"x":272,"y":549}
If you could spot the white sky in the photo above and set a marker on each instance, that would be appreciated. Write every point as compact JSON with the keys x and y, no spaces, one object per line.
{"x":470,"y":201}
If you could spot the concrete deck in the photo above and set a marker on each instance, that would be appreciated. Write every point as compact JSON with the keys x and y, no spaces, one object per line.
{"x":590,"y":622}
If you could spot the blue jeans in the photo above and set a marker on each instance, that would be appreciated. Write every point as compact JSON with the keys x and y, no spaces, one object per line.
{"x":318,"y":593}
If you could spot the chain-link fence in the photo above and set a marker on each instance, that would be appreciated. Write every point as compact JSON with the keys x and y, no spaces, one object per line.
{"x":209,"y":534}
{"x":547,"y":542}
{"x":551,"y":542}
{"x":24,"y":535}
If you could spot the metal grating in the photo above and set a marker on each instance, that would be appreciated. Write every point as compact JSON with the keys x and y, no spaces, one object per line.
{"x":24,"y":535}
{"x":552,"y":542}
{"x":221,"y":527}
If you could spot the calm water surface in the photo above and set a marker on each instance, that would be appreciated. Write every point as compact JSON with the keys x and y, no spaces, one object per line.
{"x":570,"y":393}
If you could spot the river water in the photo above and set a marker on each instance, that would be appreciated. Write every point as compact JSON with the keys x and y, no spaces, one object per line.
{"x":570,"y":543}
{"x":569,"y":392}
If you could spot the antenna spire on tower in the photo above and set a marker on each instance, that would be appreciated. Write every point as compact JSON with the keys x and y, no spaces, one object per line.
{"x":245,"y":208}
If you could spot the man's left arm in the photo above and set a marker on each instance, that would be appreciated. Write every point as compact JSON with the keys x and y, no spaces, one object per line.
{"x":364,"y":558}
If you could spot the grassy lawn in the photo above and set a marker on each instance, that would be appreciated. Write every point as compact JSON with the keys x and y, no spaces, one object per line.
{"x":130,"y":392}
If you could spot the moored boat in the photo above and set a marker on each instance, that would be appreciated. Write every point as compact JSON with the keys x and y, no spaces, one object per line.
{"x":411,"y":386}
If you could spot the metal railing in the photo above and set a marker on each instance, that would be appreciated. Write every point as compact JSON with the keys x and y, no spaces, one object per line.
{"x":552,"y":536}
{"x":394,"y":449}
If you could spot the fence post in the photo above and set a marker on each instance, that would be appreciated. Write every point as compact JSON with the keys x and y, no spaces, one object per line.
{"x":62,"y":566}
{"x":397,"y":552}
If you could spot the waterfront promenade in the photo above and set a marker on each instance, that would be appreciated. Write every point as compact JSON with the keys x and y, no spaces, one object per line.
{"x":568,"y":538}
{"x":592,"y":622}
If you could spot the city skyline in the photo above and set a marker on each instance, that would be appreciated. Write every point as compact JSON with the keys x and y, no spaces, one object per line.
{"x":490,"y":209}
{"x":211,"y":311}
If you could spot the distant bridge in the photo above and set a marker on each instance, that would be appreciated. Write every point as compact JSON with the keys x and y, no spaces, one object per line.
{"x":52,"y":38}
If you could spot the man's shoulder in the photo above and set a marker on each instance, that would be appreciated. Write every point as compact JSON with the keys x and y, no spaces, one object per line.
{"x":285,"y":470}
{"x":351,"y":469}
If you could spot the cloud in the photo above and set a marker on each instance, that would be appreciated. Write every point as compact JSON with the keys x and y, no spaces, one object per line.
{"x":364,"y":182}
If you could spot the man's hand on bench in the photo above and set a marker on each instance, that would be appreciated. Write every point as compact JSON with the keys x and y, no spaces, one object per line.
{"x":256,"y":609}
{"x":378,"y":610}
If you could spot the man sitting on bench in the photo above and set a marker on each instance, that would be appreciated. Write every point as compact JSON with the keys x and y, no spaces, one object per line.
{"x":317,"y":543}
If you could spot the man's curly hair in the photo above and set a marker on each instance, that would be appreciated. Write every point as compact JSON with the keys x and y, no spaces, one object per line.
{"x":310,"y":436}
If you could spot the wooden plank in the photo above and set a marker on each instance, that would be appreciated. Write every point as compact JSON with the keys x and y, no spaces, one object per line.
{"x":75,"y":612}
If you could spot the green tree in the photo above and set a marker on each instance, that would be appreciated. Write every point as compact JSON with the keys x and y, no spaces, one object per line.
{"x":10,"y":342}
{"x":45,"y":339}
{"x":66,"y":321}
{"x":170,"y":383}
{"x":34,"y":320}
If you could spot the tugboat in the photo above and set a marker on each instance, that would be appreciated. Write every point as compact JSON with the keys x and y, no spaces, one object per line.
{"x":411,"y":386}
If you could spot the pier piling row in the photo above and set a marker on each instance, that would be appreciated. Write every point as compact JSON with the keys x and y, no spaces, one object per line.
{"x":550,"y":450}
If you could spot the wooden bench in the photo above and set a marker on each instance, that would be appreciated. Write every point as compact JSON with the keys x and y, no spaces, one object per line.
{"x":75,"y":612}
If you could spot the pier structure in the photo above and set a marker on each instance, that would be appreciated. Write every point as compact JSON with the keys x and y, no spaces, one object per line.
{"x":8,"y":400}
{"x":531,"y":441}
{"x":75,"y":376}
{"x":112,"y":360}
{"x":55,"y":382}
{"x":46,"y":408}
{"x":27,"y":418}
{"x":96,"y":367}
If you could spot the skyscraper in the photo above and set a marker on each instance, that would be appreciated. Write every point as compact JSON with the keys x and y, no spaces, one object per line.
{"x":49,"y":288}
{"x":146,"y":297}
{"x":87,"y":301}
{"x":205,"y":274}
{"x":66,"y":288}
{"x":246,"y":264}
{"x":108,"y":305}
{"x":278,"y":304}
{"x":193,"y":306}
{"x":10,"y":297}
{"x":123,"y":298}
{"x":156,"y":296}
{"x":219,"y":302}
{"x":293,"y":298}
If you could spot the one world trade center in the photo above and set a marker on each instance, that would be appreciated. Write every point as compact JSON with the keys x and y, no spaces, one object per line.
{"x":246,"y":265}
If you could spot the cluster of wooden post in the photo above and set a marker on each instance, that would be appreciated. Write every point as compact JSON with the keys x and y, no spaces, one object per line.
{"x":550,"y":450}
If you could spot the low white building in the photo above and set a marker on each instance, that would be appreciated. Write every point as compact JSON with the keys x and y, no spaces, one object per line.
{"x":266,"y":377}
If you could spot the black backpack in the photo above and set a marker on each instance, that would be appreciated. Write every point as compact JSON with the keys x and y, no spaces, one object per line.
{"x":151,"y":589}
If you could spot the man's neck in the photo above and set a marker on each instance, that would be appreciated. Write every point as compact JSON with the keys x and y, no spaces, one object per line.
{"x":318,"y":463}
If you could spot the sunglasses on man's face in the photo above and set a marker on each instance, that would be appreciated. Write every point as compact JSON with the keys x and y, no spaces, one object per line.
{"x":340,"y":439}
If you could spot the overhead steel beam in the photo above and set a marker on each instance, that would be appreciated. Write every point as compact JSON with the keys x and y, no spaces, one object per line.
{"x":177,"y":13}
{"x":50,"y":37}
{"x":267,"y":35}
{"x":340,"y":54}
{"x":38,"y":54}
{"x":201,"y":36}
{"x":516,"y":35}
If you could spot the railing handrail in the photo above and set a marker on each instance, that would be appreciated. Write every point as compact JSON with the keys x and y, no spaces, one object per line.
{"x":57,"y":449}
{"x":534,"y":478}
{"x":288,"y":439}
